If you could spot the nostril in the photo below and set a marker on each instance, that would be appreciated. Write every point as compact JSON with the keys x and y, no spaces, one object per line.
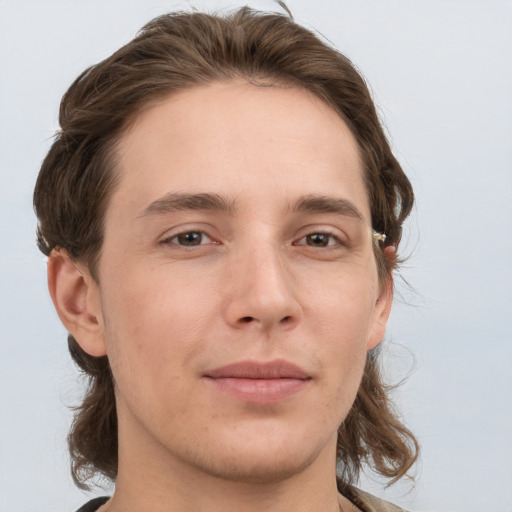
{"x":249,"y":319}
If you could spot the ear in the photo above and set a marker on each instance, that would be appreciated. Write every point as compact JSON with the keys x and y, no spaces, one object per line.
{"x":75,"y":295}
{"x":382,"y":306}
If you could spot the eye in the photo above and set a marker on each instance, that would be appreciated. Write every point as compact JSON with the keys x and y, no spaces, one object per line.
{"x":189,"y":239}
{"x":319,"y":240}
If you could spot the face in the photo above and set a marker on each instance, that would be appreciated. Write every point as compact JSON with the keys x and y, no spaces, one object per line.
{"x":237,"y":289}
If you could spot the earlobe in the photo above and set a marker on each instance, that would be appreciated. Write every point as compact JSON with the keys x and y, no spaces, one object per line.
{"x":75,"y":297}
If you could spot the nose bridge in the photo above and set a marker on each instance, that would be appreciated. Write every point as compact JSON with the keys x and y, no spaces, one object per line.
{"x":263,"y":287}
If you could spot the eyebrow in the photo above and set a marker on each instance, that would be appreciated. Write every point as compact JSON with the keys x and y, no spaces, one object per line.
{"x":327,"y":204}
{"x":177,"y":201}
{"x":173,"y":202}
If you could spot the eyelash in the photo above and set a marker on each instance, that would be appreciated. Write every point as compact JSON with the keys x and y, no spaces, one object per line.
{"x":330,"y":238}
{"x":202,"y":234}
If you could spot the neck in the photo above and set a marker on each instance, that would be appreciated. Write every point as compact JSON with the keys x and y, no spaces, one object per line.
{"x":149,"y":480}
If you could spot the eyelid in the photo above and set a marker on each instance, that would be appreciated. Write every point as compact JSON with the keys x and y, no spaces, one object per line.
{"x":337,"y":242}
{"x":169,"y":239}
{"x":336,"y":233}
{"x":166,"y":238}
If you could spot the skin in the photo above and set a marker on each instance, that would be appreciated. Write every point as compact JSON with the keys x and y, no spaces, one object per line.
{"x":263,"y":278}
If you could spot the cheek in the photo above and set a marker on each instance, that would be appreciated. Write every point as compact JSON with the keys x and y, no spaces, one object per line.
{"x":343,"y":301}
{"x":154,"y":324}
{"x":340,"y":315}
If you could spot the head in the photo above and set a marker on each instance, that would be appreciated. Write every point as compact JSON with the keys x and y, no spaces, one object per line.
{"x":175,"y":80}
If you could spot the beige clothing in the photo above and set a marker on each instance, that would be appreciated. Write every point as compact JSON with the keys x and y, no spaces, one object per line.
{"x":362,"y":500}
{"x":368,"y":503}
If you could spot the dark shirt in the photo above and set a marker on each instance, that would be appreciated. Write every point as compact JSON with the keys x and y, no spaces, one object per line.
{"x":93,"y":505}
{"x":364,"y":501}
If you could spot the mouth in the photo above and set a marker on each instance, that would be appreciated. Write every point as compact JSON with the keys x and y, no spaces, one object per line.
{"x":259,"y":382}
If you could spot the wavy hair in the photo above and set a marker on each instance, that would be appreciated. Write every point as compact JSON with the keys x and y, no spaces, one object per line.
{"x":171,"y":53}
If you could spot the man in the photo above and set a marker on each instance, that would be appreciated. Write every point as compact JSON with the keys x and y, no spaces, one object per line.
{"x":222,"y":212}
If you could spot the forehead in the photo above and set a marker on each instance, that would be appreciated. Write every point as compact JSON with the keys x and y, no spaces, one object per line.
{"x":241,"y":141}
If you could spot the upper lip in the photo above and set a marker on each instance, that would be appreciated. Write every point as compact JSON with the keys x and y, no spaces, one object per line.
{"x":278,"y":369}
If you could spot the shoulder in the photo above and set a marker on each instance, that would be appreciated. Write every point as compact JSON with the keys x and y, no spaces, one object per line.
{"x":369,"y":503}
{"x":93,"y":505}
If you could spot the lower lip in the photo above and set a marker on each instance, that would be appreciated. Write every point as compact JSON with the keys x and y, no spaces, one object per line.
{"x":261,"y":391}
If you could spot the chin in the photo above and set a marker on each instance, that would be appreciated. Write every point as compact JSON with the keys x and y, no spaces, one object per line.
{"x":258,"y":470}
{"x":266,"y":461}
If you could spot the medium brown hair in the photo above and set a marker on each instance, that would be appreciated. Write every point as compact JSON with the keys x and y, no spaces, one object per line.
{"x":172,"y":53}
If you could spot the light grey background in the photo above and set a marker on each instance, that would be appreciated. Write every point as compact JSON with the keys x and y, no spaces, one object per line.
{"x":441,"y":74}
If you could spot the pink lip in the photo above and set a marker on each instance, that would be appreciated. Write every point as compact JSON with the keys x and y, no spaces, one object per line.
{"x":278,"y":369}
{"x":257,"y":382}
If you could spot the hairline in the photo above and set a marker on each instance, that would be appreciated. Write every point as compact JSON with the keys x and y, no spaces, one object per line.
{"x":112,"y":146}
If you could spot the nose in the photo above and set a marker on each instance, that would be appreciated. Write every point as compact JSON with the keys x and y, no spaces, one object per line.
{"x":262,"y":292}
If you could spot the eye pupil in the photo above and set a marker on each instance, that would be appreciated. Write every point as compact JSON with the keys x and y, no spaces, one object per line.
{"x":190,"y":238}
{"x":318,"y":239}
